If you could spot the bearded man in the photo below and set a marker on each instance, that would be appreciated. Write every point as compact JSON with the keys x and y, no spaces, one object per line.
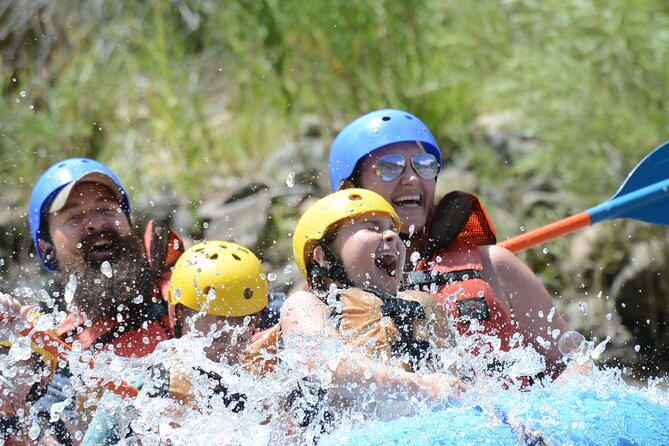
{"x":114,"y":282}
{"x":112,"y":279}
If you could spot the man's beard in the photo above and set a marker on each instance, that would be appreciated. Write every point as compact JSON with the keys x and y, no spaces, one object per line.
{"x":131,"y":281}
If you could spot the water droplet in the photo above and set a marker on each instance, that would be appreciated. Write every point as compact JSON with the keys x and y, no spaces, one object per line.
{"x":415,"y":257}
{"x":637,"y":348}
{"x":368,"y":373}
{"x":34,"y":431}
{"x":70,"y":288}
{"x":271,"y":277}
{"x":23,"y":94}
{"x":480,"y":293}
{"x":2,"y":262}
{"x":412,"y":229}
{"x":139,"y":299}
{"x":545,"y":250}
{"x":106,"y":269}
{"x":205,"y":225}
{"x":573,"y":345}
{"x":522,"y":229}
{"x":290,"y":179}
{"x":583,"y":308}
{"x":597,"y":351}
{"x":176,"y":244}
{"x":609,"y":316}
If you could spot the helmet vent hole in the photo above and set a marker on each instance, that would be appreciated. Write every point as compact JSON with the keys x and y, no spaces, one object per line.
{"x":198,"y":250}
{"x":214,"y":256}
{"x":206,"y":291}
{"x":248,"y":293}
{"x":354,"y":197}
{"x":408,"y":117}
{"x":386,"y":118}
{"x":236,"y":257}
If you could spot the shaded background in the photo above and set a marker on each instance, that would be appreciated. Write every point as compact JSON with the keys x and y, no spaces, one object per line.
{"x":217,"y":116}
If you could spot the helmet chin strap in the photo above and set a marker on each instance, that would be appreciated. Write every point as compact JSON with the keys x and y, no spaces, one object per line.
{"x":334,"y":270}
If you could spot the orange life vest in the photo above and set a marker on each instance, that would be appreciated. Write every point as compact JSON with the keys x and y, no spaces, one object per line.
{"x":147,"y":325}
{"x":453,"y":277}
{"x":452,"y":273}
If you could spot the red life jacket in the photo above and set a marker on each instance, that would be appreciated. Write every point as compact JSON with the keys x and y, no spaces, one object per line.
{"x":452,"y":272}
{"x":146,"y":326}
{"x":453,"y":276}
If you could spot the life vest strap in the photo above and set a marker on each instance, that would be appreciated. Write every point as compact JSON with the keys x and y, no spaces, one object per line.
{"x":428,"y":277}
{"x":155,"y":312}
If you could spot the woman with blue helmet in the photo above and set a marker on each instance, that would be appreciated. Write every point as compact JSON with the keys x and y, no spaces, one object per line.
{"x":393,"y":153}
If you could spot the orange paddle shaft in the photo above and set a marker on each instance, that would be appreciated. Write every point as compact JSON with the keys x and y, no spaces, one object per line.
{"x":549,"y":232}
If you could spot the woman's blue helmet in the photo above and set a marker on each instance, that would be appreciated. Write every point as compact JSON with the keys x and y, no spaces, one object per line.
{"x":55,"y":179}
{"x":371,"y":132}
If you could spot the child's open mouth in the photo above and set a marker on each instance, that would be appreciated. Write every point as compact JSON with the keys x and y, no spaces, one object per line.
{"x":387,"y":262}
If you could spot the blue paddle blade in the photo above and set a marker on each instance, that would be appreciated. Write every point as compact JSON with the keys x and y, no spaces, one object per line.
{"x":644,"y":195}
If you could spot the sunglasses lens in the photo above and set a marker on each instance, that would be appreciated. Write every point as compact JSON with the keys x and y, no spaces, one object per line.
{"x":389,"y":167}
{"x":425,"y":165}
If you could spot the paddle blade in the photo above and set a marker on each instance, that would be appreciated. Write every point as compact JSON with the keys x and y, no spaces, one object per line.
{"x":644,"y":195}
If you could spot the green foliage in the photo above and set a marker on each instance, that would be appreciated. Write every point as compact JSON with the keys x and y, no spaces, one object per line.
{"x":171,"y":94}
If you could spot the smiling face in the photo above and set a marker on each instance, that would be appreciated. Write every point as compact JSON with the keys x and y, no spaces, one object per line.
{"x":90,"y":229}
{"x":370,"y":251}
{"x":411,"y":195}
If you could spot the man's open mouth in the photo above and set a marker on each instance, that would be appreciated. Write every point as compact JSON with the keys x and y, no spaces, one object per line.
{"x":100,"y":246}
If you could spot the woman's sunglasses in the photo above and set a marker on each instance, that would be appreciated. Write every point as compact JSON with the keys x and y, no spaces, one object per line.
{"x":390,"y":167}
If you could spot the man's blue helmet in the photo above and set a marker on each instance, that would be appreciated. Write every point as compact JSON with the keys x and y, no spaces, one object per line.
{"x":374,"y":131}
{"x":53,"y":181}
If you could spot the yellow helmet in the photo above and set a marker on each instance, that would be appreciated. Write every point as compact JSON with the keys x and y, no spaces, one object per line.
{"x":220,"y":278}
{"x":328,"y":211}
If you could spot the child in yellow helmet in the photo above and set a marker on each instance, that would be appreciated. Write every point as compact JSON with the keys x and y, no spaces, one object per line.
{"x":217,"y":292}
{"x":347,"y":247}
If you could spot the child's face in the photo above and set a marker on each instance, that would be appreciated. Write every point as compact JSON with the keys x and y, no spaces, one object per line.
{"x":371,"y":251}
{"x":232,"y":335}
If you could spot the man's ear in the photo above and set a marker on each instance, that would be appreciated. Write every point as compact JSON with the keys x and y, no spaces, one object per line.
{"x":346,"y":184}
{"x":319,"y":256}
{"x":48,"y":252}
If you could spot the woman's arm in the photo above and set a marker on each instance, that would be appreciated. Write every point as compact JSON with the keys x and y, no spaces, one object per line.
{"x":531,"y":307}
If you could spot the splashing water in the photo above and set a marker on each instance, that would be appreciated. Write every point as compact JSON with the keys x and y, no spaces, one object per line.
{"x":595,"y":409}
{"x":70,"y":289}
{"x":573,"y":345}
{"x":290,"y":179}
{"x":106,"y":269}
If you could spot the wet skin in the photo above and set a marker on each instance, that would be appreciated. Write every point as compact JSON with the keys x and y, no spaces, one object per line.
{"x":85,"y":229}
{"x":411,"y":195}
{"x":232,"y":335}
{"x":371,"y":251}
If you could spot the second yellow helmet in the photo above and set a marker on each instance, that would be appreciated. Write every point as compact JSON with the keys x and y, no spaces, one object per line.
{"x":220,"y":278}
